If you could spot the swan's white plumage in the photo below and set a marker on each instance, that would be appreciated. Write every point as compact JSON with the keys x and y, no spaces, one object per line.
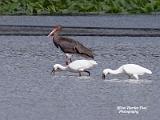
{"x":80,"y":65}
{"x":135,"y":69}
{"x":129,"y":69}
{"x":76,"y":66}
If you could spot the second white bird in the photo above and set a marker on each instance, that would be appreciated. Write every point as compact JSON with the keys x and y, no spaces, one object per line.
{"x":129,"y":69}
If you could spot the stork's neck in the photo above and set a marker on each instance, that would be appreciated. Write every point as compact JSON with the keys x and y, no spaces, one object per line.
{"x":117,"y":71}
{"x":56,"y":36}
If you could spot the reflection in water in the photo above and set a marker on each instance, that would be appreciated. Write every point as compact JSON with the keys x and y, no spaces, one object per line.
{"x":130,"y":81}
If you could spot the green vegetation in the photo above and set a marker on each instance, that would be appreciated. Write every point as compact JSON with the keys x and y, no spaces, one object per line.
{"x":51,"y":7}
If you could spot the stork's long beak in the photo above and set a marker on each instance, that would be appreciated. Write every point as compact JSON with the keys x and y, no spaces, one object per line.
{"x":51,"y":33}
{"x":103,"y":76}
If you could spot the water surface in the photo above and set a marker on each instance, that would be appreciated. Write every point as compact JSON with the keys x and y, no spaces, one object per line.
{"x":28,"y":91}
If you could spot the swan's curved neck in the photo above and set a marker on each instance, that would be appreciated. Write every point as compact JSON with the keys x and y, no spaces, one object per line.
{"x":62,"y":67}
{"x":117,"y":71}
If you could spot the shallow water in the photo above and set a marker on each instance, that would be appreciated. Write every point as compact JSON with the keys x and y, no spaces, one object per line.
{"x":28,"y":90}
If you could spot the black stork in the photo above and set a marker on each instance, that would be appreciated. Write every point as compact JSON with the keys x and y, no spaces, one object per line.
{"x":68,"y":45}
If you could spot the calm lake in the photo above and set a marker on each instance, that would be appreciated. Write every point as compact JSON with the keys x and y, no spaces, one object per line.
{"x":29,"y":92}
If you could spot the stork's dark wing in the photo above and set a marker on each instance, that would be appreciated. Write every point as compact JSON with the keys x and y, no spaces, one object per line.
{"x":84,"y":51}
{"x":68,"y":45}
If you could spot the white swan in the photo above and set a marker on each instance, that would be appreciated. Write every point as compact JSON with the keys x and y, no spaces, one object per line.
{"x":129,"y":69}
{"x":76,"y":66}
